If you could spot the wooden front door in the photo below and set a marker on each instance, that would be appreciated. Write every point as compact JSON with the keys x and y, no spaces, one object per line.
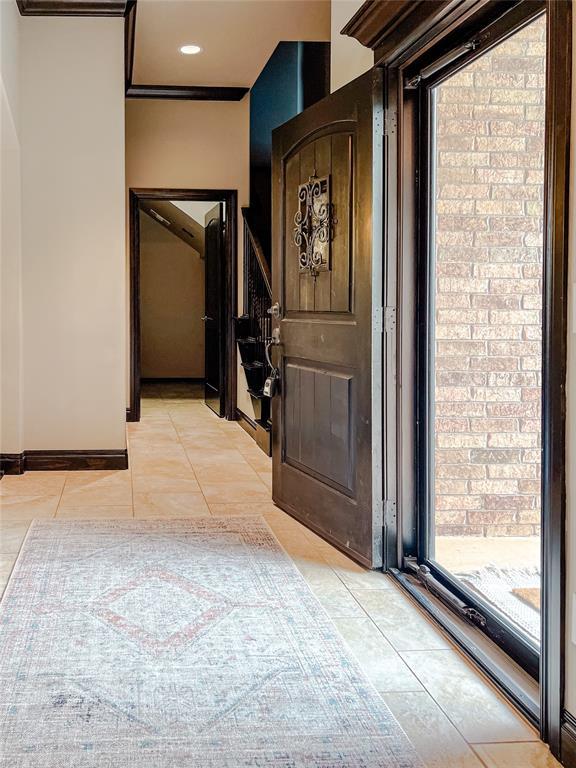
{"x":327,"y":469}
{"x":214,"y":310}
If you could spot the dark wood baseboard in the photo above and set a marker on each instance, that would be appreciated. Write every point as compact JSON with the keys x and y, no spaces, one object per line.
{"x":173,"y":380}
{"x":261,"y":436}
{"x":568,"y":740}
{"x":11,"y":463}
{"x":247,"y":424}
{"x":51,"y":461}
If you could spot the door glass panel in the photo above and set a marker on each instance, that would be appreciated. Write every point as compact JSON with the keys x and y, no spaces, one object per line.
{"x":486,"y":310}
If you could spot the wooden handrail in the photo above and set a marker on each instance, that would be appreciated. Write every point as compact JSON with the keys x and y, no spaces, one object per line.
{"x":258,"y":251}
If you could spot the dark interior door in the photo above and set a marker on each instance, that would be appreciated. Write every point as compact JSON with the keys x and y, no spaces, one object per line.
{"x":327,"y":465}
{"x":213,"y":310}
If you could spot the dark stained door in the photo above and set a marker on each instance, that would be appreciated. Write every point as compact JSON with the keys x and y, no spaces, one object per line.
{"x":327,"y":466}
{"x":213,"y":310}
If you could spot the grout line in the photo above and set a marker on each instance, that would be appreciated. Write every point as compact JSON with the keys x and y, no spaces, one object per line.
{"x":55,"y":515}
{"x":189,"y":462}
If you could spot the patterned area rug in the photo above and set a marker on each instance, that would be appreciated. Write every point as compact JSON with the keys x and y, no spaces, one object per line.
{"x":178,"y":644}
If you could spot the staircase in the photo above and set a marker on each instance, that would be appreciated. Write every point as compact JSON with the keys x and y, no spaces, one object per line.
{"x":253,"y":330}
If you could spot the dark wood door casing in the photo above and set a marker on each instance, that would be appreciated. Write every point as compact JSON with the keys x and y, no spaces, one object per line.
{"x":229,"y":287}
{"x":327,"y":467}
{"x":214,"y":352}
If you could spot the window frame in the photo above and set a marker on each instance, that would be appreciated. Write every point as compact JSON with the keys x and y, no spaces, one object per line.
{"x":404,"y":40}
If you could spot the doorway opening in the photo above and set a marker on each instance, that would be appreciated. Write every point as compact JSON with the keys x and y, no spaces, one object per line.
{"x":183,"y":297}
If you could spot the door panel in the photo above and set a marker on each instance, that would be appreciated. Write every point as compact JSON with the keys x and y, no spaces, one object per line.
{"x":318,"y":427}
{"x":214,"y":308}
{"x":331,"y":157}
{"x":324,"y":452}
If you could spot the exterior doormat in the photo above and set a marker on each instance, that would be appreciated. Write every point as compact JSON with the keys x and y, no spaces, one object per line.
{"x":178,"y":644}
{"x":508,"y":589}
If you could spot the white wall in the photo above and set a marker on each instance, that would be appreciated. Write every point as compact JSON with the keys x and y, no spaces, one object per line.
{"x":348,"y":58}
{"x":191,"y":145}
{"x":72,"y":113}
{"x":570,"y":692}
{"x":10,"y":232}
{"x":171,"y":304}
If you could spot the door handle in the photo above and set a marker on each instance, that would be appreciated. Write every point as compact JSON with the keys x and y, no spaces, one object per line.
{"x":274,"y":310}
{"x":273,"y":341}
{"x":205,"y":318}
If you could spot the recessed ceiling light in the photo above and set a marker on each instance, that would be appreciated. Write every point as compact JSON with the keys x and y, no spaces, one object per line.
{"x":190,"y":50}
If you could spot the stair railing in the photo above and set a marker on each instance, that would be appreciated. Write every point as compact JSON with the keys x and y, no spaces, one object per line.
{"x":257,"y":284}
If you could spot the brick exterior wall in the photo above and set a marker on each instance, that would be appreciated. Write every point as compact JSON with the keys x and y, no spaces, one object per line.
{"x":489,"y":195}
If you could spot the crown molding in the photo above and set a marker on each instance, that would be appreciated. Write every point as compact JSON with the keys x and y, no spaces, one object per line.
{"x":186,"y":92}
{"x":73,"y":7}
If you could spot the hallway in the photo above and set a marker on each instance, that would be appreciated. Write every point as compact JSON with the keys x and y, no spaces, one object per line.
{"x":185,"y":462}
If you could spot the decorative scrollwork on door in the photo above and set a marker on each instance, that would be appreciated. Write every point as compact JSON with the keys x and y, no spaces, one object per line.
{"x":313,"y":225}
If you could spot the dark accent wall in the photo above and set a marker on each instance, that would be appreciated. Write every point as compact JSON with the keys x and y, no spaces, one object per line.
{"x":295,"y":76}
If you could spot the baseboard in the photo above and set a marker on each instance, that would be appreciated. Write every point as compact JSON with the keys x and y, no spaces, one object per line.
{"x":174,"y":380}
{"x":247,"y":424}
{"x":568,"y":740}
{"x":52,"y":461}
{"x":261,"y":436}
{"x":11,"y":463}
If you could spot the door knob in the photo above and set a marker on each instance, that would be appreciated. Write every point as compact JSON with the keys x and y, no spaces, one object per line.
{"x":274,"y":310}
{"x":205,"y":318}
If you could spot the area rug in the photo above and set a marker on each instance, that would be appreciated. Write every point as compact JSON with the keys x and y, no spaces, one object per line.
{"x":508,"y":590}
{"x":178,"y":644}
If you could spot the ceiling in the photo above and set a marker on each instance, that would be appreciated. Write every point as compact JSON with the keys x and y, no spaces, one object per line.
{"x":237,"y":37}
{"x":196,"y":209}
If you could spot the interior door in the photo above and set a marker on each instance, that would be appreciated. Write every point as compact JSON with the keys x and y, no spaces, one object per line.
{"x":327,"y":280}
{"x":213,"y":310}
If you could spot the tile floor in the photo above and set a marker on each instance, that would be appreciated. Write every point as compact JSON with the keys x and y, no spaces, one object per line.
{"x":185,"y":462}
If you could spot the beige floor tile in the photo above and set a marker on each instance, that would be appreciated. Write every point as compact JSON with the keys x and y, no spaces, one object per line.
{"x":223,"y":458}
{"x":153,"y":483}
{"x":236,"y":492}
{"x":230,"y":475}
{"x":476,"y":709}
{"x":170,"y":505}
{"x":95,"y":512}
{"x":383,"y":666}
{"x":11,"y":537}
{"x":400,"y":621}
{"x":337,"y":601}
{"x":318,"y":573}
{"x":259,"y":461}
{"x":173,"y":464}
{"x":438,"y":742}
{"x":96,"y":488}
{"x":266,"y":478}
{"x":365,"y":579}
{"x":15,"y":509}
{"x":262,"y":508}
{"x":6,"y":565}
{"x":336,"y":558}
{"x":535,"y":755}
{"x":33,"y":484}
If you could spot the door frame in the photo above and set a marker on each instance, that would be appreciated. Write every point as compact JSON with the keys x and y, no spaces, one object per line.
{"x":229,"y":288}
{"x":399,"y":33}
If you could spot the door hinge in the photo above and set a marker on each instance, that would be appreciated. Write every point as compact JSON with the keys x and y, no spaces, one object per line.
{"x":389,"y":512}
{"x":390,"y":319}
{"x":390,"y":124}
{"x":378,"y":319}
